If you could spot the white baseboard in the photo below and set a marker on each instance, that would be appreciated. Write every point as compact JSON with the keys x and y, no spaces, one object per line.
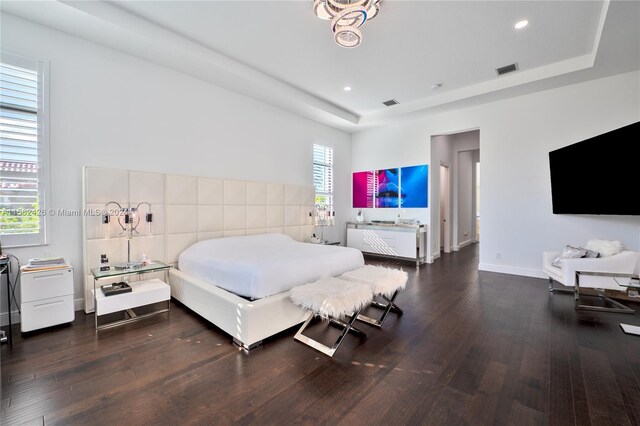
{"x":4,"y":318}
{"x":465,"y":243}
{"x":462,"y":245}
{"x":513,"y":270}
{"x":78,"y":304}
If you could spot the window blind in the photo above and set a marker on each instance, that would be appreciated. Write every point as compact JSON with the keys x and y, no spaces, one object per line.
{"x":19,"y":151}
{"x":323,"y":174}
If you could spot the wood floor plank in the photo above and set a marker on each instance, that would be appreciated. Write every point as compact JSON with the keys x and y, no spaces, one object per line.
{"x":561,"y":409}
{"x":521,"y":415}
{"x":605,"y":402}
{"x":482,"y":408}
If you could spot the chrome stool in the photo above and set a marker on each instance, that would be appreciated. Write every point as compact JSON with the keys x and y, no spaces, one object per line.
{"x":385,"y":283}
{"x":331,"y":298}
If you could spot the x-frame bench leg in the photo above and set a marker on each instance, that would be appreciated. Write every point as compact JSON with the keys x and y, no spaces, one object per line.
{"x":390,"y":306}
{"x":347,"y":326}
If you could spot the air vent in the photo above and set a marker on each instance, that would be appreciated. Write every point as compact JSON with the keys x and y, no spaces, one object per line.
{"x":507,"y":69}
{"x":391,"y":102}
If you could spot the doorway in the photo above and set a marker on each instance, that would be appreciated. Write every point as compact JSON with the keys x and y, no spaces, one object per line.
{"x":455,"y":217}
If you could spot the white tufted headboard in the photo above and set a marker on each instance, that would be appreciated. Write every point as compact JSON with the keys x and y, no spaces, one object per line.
{"x":187,"y":209}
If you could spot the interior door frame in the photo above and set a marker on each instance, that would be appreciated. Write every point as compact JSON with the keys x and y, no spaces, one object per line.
{"x":445,"y":222}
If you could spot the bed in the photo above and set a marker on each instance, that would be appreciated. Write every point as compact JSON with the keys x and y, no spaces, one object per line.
{"x":241,"y":284}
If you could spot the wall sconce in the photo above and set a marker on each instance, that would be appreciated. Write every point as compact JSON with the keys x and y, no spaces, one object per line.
{"x":129,"y":219}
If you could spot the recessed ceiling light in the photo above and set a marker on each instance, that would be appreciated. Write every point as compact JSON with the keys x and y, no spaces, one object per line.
{"x":347,"y":88}
{"x":521,"y":24}
{"x":436,"y":86}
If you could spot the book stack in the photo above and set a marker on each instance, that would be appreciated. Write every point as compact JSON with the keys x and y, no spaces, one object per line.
{"x":45,"y":264}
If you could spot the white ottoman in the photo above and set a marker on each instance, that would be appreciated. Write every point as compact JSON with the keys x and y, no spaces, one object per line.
{"x":385,"y":283}
{"x":332,"y":298}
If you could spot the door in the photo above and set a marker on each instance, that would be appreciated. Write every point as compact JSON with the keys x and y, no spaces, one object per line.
{"x":445,"y":215}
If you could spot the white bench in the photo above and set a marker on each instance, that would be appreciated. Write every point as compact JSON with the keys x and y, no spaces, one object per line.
{"x":385,"y":283}
{"x":332,"y":298}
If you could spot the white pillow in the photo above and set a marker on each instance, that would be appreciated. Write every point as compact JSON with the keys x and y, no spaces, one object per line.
{"x":606,"y":248}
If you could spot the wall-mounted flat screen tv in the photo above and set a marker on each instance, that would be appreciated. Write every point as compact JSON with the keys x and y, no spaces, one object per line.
{"x":600,"y":175}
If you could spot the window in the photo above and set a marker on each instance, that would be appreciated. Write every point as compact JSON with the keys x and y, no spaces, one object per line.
{"x":323,"y":174}
{"x":23,"y":151}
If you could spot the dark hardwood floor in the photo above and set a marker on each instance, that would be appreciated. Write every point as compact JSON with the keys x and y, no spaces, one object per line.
{"x":472,"y":348}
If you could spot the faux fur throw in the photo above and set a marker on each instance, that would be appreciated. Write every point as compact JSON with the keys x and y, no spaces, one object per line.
{"x":605,"y":248}
{"x":332,"y":297}
{"x":384,"y":281}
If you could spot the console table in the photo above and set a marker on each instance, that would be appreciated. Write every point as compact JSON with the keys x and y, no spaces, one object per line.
{"x":401,"y":241}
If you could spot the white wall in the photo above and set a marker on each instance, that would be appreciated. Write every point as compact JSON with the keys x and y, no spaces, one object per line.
{"x":112,"y":110}
{"x":390,"y":147}
{"x":515,"y":137}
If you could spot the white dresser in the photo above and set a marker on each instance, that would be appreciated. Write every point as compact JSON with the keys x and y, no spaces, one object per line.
{"x":397,"y":241}
{"x":46,"y":298}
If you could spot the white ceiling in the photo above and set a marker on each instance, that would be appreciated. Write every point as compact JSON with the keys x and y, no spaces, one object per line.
{"x":279,"y":52}
{"x":405,"y":50}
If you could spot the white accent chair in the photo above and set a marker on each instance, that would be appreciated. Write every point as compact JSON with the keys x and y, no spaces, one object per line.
{"x":626,"y":262}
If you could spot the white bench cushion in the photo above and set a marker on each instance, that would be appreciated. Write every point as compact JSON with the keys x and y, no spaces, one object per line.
{"x":382,"y":280}
{"x":332,"y":297}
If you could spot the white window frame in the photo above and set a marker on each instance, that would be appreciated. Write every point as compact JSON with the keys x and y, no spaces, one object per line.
{"x":330,"y":193}
{"x":42,"y":237}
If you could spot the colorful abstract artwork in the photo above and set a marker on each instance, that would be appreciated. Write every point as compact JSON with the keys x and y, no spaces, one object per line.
{"x":414,"y":185}
{"x":387,"y":189}
{"x":405,"y":187}
{"x":363,"y":189}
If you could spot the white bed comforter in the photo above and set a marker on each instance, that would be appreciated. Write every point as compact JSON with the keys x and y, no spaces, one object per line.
{"x":258,"y":266}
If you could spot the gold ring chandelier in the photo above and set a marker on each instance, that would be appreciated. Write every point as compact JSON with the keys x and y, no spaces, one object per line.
{"x":346,"y":16}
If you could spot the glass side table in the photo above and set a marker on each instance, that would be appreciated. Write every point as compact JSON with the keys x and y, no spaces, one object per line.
{"x":142,"y":293}
{"x":631,"y":281}
{"x":600,"y":281}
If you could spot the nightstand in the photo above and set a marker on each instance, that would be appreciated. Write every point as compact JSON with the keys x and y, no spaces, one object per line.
{"x":46,"y":298}
{"x":142,"y":293}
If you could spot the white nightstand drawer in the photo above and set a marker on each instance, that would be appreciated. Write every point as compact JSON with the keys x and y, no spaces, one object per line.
{"x":47,"y":312}
{"x":142,"y":293}
{"x":46,"y":284}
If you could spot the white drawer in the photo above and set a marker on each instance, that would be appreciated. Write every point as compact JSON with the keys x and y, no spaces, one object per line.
{"x":46,"y":312}
{"x":46,"y":284}
{"x":142,"y":293}
{"x":376,"y":238}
